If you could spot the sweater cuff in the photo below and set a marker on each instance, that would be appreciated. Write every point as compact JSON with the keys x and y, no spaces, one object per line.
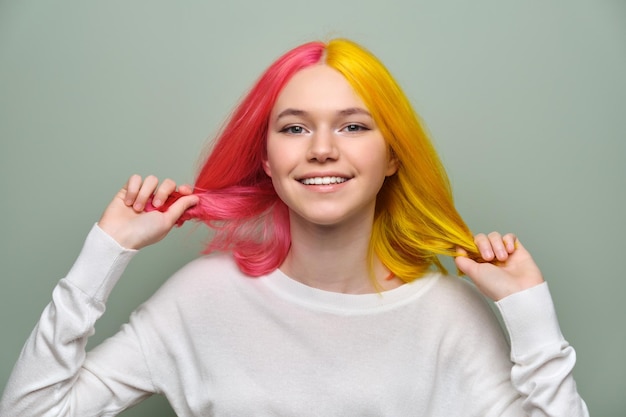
{"x":100,"y":264}
{"x":531,"y":320}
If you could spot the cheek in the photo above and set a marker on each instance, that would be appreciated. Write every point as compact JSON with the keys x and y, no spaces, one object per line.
{"x":281,"y":157}
{"x":276,"y":165}
{"x":377,"y":160}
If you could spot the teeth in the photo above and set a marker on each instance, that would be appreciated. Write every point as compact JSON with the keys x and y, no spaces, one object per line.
{"x":323,"y":180}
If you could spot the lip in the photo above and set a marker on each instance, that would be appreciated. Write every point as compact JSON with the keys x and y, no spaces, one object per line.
{"x":322,"y":175}
{"x":326,"y":185}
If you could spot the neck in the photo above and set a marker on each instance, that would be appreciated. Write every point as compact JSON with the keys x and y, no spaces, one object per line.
{"x":335,"y":258}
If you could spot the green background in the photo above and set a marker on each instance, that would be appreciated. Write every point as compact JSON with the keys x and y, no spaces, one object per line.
{"x":526,"y":102}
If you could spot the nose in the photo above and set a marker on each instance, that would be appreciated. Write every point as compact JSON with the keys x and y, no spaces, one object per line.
{"x":322,"y":146}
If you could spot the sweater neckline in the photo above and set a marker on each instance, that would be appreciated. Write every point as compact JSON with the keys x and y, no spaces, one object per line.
{"x":314,"y":298}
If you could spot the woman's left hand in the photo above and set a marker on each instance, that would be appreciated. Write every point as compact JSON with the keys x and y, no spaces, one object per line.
{"x":508,"y":269}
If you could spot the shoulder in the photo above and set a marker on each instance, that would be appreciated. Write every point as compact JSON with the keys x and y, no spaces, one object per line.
{"x":203,"y":273}
{"x":458,"y":292}
{"x":214,"y":265}
{"x":201,"y":295}
{"x":459,"y":306}
{"x":197,"y":282}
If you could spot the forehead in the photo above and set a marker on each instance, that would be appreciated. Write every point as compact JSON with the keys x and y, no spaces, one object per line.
{"x":318,"y":87}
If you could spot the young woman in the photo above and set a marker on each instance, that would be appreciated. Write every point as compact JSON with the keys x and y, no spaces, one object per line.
{"x":323,"y":295}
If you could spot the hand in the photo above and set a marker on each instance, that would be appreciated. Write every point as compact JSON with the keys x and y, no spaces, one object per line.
{"x":126,"y":220}
{"x":509,"y":268}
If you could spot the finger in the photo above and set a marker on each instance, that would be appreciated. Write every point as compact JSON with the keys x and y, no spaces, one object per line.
{"x":145,"y":192}
{"x":497,"y":245}
{"x":165,"y":189}
{"x":180,"y":206}
{"x":466,"y":265}
{"x":185,"y":189}
{"x":509,"y":242}
{"x":484,"y":247}
{"x":519,"y":247}
{"x":460,"y":251}
{"x":132,"y":189}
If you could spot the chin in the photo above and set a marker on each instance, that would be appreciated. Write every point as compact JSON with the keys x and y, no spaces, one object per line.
{"x":333,"y":219}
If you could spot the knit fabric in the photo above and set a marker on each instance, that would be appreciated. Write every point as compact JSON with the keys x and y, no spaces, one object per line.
{"x":218,"y":343}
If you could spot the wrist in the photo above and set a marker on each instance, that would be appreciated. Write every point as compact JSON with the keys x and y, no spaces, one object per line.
{"x":119,"y":235}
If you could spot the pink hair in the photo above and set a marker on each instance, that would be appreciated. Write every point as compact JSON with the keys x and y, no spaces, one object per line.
{"x":415,"y":220}
{"x":237,"y":198}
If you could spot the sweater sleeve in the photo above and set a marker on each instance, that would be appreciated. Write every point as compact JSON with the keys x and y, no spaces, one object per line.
{"x":542,"y":359}
{"x":49,"y":378}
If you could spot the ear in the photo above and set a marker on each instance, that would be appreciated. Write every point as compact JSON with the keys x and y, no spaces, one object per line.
{"x":266,"y":168}
{"x":392,"y":163}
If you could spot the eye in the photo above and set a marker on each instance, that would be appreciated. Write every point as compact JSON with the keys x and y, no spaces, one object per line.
{"x":293,"y":130}
{"x":353,"y":127}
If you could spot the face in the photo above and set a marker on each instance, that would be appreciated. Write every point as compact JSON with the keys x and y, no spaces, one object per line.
{"x":325,"y":155}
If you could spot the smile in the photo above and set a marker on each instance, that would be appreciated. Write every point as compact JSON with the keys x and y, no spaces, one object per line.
{"x":323,"y":180}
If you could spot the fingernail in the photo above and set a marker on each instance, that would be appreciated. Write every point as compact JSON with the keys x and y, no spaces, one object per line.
{"x":157,"y":203}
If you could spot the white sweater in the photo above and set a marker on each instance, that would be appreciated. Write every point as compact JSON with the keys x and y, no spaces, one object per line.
{"x":218,"y":343}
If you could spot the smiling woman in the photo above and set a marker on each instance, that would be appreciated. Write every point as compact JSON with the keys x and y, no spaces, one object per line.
{"x":237,"y":166}
{"x":334,"y":137}
{"x":330,"y":208}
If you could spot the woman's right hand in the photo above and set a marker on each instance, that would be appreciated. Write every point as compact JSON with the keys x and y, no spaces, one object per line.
{"x":126,"y":220}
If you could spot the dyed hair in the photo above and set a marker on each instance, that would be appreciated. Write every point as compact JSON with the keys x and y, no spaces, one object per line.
{"x":415,"y":218}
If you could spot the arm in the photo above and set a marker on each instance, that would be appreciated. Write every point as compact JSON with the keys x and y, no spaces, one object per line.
{"x":543,"y":360}
{"x":49,"y":378}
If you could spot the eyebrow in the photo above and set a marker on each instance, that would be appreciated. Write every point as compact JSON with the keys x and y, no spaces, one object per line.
{"x":345,"y":112}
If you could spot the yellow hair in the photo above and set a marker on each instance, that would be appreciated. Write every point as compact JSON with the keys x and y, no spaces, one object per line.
{"x":415,"y":217}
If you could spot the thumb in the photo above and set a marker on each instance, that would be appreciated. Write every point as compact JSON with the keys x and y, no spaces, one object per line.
{"x":466,"y":265}
{"x":182,"y":204}
{"x":480,"y":274}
